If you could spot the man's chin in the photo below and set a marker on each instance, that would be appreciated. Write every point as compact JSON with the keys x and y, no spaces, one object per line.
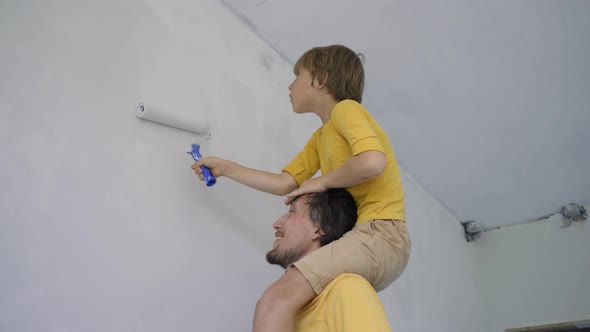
{"x":284,"y":259}
{"x":273,"y":258}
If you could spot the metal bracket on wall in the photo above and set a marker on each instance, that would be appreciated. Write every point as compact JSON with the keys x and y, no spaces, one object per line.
{"x":573,"y":212}
{"x":472,"y":230}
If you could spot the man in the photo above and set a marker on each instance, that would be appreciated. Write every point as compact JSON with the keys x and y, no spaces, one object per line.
{"x":347,"y":304}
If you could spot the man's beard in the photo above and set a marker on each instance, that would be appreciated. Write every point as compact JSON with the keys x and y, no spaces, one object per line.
{"x":284,"y":258}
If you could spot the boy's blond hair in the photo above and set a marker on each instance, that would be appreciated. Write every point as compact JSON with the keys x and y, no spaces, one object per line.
{"x":337,"y":66}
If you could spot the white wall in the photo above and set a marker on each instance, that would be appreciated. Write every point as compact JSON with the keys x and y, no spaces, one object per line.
{"x":104,"y":227}
{"x":534,"y":274}
{"x":439,"y":291}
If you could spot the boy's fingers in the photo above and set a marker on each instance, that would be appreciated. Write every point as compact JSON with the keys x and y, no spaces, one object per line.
{"x":199,"y":173}
{"x":197,"y":164}
{"x":291,"y":196}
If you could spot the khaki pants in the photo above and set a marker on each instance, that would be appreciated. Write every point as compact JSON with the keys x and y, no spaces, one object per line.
{"x":378,"y":250}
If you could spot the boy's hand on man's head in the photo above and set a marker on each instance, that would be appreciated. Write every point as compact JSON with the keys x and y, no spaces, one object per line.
{"x":314,"y":185}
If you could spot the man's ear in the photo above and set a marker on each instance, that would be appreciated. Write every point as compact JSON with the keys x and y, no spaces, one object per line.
{"x":318,"y":234}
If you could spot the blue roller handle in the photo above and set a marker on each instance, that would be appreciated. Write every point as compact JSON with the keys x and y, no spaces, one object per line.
{"x":207,"y":175}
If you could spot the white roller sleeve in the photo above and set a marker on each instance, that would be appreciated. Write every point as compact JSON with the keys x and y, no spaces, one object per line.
{"x":181,"y":119}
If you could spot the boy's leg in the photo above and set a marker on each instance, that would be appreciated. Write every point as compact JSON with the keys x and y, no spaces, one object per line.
{"x":277,"y":308}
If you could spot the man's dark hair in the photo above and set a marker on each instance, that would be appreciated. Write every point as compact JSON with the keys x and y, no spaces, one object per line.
{"x":334,"y":211}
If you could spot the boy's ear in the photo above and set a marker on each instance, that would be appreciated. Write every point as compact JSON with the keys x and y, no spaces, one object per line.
{"x":322,"y":83}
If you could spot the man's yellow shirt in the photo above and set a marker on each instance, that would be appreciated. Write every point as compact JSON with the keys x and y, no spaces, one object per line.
{"x":348,"y":304}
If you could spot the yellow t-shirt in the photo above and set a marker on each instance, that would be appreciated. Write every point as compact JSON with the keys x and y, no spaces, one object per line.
{"x":350,"y":131}
{"x":347,"y":304}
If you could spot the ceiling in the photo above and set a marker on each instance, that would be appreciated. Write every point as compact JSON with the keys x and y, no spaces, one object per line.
{"x":487,"y":103}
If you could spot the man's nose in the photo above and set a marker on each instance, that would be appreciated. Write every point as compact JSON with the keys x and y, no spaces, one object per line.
{"x":277,"y":224}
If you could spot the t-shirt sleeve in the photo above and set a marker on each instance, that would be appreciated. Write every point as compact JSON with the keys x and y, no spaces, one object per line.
{"x":352,"y":123}
{"x":354,"y":306}
{"x":307,"y":162}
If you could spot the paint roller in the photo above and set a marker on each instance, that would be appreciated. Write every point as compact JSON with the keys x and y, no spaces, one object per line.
{"x":178,"y":121}
{"x":207,"y":175}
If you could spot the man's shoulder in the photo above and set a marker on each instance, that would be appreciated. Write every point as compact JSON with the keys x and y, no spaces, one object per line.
{"x":348,"y":303}
{"x":345,"y":291}
{"x":349,"y":283}
{"x":346,"y":278}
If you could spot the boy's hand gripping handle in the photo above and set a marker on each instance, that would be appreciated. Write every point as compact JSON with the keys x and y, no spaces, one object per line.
{"x":207,"y":175}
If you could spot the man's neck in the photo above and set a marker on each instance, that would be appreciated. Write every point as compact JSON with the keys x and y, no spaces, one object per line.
{"x":315,"y":246}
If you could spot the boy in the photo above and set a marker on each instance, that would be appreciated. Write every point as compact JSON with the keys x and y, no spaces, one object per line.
{"x":353,"y":152}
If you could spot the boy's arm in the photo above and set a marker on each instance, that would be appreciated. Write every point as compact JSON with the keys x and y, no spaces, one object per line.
{"x":351,"y":121}
{"x":272,"y":183}
{"x":355,"y":170}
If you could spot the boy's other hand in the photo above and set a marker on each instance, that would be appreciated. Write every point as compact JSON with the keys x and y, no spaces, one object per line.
{"x":307,"y":187}
{"x":213,"y":163}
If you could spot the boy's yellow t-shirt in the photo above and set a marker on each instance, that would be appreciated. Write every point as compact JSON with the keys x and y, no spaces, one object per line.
{"x":350,"y":131}
{"x":348,"y":304}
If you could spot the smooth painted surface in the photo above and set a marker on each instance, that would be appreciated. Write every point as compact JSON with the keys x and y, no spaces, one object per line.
{"x":103,"y":226}
{"x":534,"y":274}
{"x":486,"y":102}
{"x":440,"y":290}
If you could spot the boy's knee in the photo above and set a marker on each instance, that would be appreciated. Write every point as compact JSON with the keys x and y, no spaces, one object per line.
{"x":277,"y":297}
{"x":274,"y":294}
{"x":287,"y":295}
{"x":268,"y":303}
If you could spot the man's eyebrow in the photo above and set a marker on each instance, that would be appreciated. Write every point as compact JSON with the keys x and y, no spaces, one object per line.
{"x":296,"y":198}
